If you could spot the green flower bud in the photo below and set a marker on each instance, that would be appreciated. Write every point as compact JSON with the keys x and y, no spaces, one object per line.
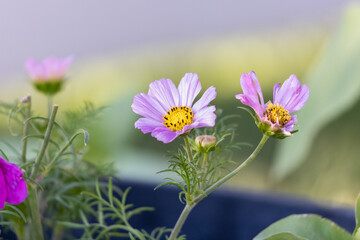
{"x":205,"y":143}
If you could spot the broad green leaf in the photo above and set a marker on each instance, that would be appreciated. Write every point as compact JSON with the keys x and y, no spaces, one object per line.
{"x":307,"y":226}
{"x":284,"y":236}
{"x":334,"y":85}
{"x":357,"y":217}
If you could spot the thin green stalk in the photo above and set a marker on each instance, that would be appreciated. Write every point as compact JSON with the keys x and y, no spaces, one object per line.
{"x":50,"y":104}
{"x":58,"y":232}
{"x":32,"y":201}
{"x":188,"y":148}
{"x":62,"y":150}
{"x":190,"y":205}
{"x":68,"y":144}
{"x":180,"y":222}
{"x":203,"y":170}
{"x":32,"y":205}
{"x":26,"y":127}
{"x":45,"y":142}
{"x":231,"y":174}
{"x":191,"y":159}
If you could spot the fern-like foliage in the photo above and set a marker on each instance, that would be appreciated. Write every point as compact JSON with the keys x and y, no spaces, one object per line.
{"x":193,"y":177}
{"x":110,"y":216}
{"x":65,"y":173}
{"x":82,"y":117}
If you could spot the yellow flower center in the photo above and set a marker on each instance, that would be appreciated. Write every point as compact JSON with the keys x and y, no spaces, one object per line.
{"x":178,"y":117}
{"x":276,"y":112}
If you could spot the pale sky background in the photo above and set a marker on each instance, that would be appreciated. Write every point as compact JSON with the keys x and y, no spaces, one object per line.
{"x":87,"y":28}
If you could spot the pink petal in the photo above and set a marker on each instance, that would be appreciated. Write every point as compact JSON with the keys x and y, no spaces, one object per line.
{"x":252,"y":94}
{"x":275,"y":91}
{"x":13,"y":181}
{"x":298,"y":99}
{"x":290,"y":125}
{"x":165,"y":91}
{"x":3,"y":190}
{"x":287,"y":90}
{"x":189,"y":88}
{"x":205,"y":117}
{"x":18,"y":194}
{"x":206,"y":98}
{"x":244,"y":99}
{"x":257,"y":85}
{"x":164,"y":134}
{"x":49,"y":69}
{"x":147,"y":125}
{"x":147,"y":106}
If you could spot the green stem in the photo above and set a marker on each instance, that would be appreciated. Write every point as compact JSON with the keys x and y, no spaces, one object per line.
{"x":191,"y":159}
{"x":26,"y":128}
{"x":190,"y":205}
{"x":32,"y":201}
{"x":203,"y":170}
{"x":231,"y":174}
{"x":58,"y":232}
{"x":50,"y":104}
{"x":68,"y":144}
{"x":180,"y":222}
{"x":45,"y":142}
{"x":32,"y":205}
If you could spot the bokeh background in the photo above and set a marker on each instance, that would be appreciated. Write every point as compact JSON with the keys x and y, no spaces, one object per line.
{"x":121,"y":46}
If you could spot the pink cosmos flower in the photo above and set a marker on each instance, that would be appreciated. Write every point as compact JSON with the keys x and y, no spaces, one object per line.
{"x":273,"y":118}
{"x":48,"y":76}
{"x":50,"y":69}
{"x":169,"y":111}
{"x":13,"y":187}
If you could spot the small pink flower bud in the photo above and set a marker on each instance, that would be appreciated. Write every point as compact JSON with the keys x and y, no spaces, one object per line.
{"x":26,"y":99}
{"x":205,"y":143}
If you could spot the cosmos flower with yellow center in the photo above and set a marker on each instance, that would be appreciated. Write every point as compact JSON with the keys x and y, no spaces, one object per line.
{"x":169,"y":112}
{"x":274,"y":118}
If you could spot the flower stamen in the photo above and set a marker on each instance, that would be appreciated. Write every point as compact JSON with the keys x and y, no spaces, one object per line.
{"x":178,"y":117}
{"x":277,"y":114}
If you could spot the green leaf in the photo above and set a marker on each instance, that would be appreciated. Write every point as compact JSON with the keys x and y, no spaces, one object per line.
{"x":306,"y":226}
{"x":284,"y":236}
{"x":250,"y":112}
{"x":73,"y":225}
{"x":357,"y":216}
{"x":110,"y":192}
{"x":334,"y":88}
{"x":18,"y":211}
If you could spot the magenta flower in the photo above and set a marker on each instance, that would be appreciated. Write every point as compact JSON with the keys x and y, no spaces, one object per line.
{"x":48,"y":75}
{"x":169,"y":111}
{"x":13,"y":187}
{"x":273,"y":118}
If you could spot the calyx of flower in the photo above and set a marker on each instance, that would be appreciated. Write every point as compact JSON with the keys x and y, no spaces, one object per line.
{"x":49,"y":87}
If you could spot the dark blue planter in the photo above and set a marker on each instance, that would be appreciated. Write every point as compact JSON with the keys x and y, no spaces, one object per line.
{"x":225,"y":214}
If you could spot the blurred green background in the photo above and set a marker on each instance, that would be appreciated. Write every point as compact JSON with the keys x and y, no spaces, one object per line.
{"x":208,"y":38}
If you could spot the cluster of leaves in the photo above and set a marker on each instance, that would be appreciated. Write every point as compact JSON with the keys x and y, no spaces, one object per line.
{"x":194,"y":176}
{"x":65,"y":173}
{"x":106,"y":214}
